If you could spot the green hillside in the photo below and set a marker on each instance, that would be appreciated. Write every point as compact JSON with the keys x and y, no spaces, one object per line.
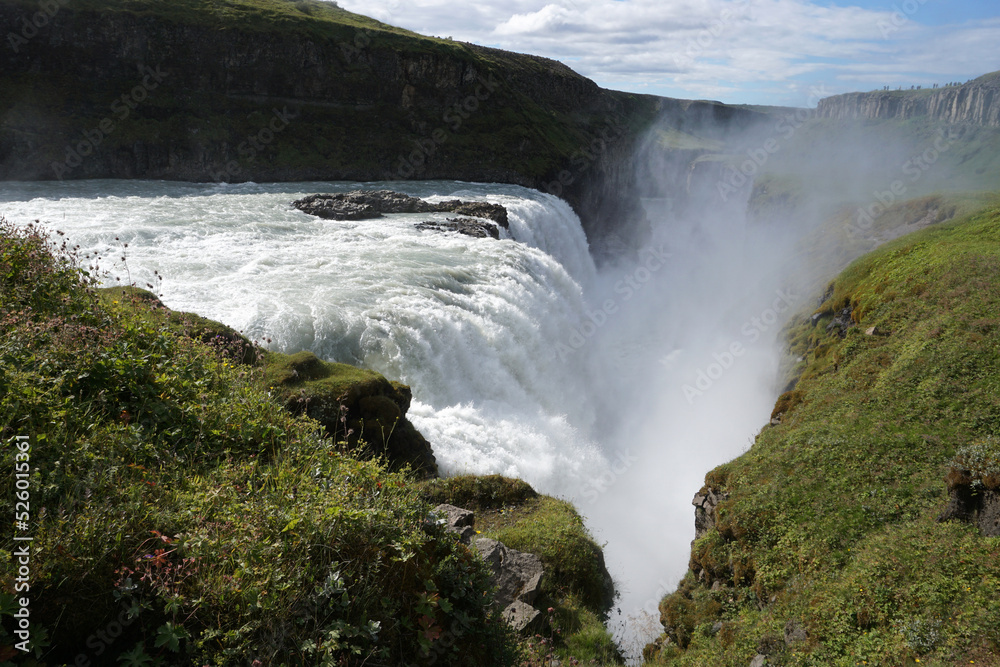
{"x":828,"y":549}
{"x":305,"y":17}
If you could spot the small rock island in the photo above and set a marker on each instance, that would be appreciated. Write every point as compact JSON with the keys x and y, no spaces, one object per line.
{"x":481,"y":221}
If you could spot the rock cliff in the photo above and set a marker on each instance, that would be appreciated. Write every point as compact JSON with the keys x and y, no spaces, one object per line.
{"x":977,"y":102}
{"x":283,"y":91}
{"x":275,"y":90}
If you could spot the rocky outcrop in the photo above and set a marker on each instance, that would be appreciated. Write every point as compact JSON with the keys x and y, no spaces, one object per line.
{"x":841,"y":322}
{"x":357,"y":406}
{"x":370,"y":204}
{"x":977,"y":102}
{"x":354,"y":405}
{"x":705,"y":502}
{"x":477,"y":209}
{"x":361,"y":204}
{"x":772,"y":649}
{"x":517,"y":576}
{"x":795,"y":632}
{"x":466,"y":226}
{"x":456,"y":520}
{"x":974,"y":488}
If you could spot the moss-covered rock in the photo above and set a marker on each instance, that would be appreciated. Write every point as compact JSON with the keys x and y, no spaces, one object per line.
{"x":358,"y":406}
{"x":974,"y":486}
{"x":510,"y":511}
{"x":479,"y":492}
{"x":231,"y":342}
{"x":577,"y":590}
{"x":354,"y":405}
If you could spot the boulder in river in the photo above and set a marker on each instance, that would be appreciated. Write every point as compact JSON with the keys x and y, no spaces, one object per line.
{"x":369,"y":204}
{"x":468,"y":226}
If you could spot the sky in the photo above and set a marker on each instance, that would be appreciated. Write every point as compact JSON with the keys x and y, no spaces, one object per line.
{"x":780,"y":52}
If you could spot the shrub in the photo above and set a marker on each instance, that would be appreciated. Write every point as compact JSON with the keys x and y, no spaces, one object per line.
{"x":478,"y":492}
{"x":977,"y":465}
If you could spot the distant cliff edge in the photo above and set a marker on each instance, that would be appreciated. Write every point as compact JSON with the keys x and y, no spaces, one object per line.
{"x":976,"y":102}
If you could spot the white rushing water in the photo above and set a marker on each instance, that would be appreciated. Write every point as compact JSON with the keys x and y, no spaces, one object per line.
{"x":610,"y":388}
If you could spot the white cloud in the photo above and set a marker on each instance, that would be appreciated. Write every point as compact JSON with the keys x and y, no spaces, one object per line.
{"x":549,"y":17}
{"x":705,"y":48}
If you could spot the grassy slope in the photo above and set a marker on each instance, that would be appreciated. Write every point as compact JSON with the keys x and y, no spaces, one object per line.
{"x":169,"y":485}
{"x":832,"y":515}
{"x":306,"y":16}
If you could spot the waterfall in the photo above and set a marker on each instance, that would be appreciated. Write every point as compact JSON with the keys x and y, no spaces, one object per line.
{"x":615,"y":388}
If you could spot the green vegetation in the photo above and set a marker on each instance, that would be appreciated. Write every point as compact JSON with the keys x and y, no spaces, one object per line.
{"x":576,"y":587}
{"x":479,"y":494}
{"x":359,"y":407}
{"x":172,"y":497}
{"x":310,"y":17}
{"x":176,"y":499}
{"x":977,"y":465}
{"x":830,"y":533}
{"x":673,"y":139}
{"x":147,"y":305}
{"x":849,"y":233}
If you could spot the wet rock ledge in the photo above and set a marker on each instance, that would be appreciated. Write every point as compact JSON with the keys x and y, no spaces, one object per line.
{"x":371,"y":204}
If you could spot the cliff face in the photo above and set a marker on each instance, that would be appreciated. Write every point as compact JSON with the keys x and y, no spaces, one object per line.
{"x":274,"y":90}
{"x":305,"y":91}
{"x":977,"y":102}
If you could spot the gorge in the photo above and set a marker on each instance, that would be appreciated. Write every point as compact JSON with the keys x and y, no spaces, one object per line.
{"x":628,"y":331}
